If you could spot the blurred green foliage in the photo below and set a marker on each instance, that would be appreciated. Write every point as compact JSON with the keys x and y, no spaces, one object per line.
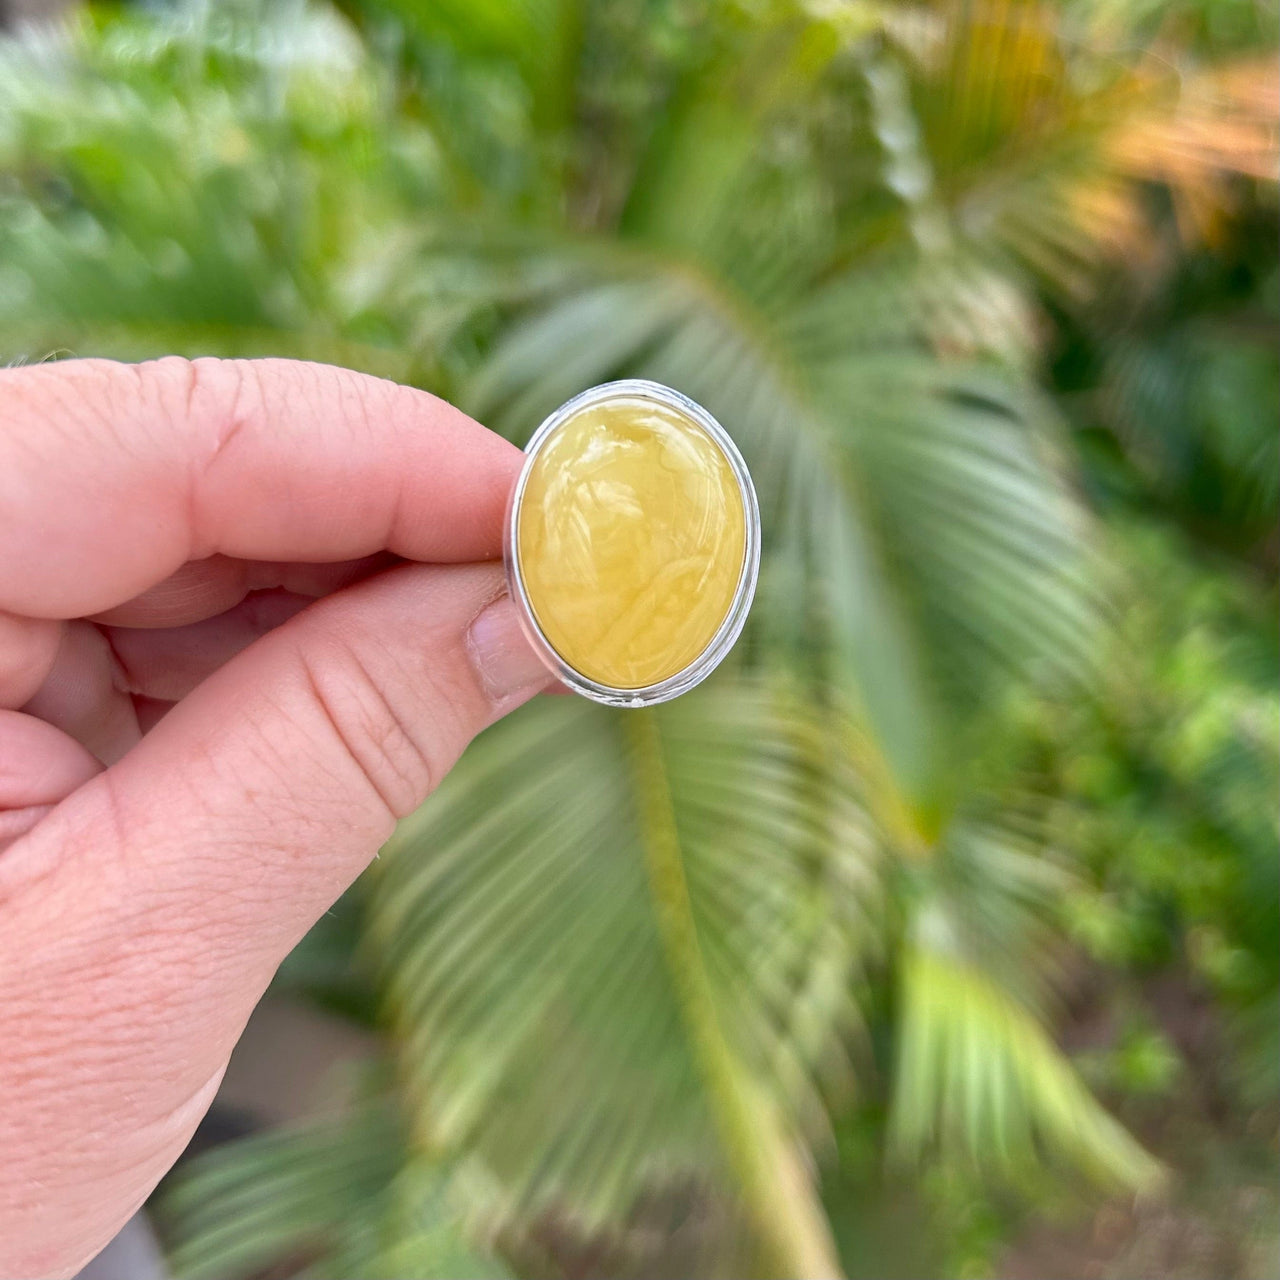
{"x":988,"y":295}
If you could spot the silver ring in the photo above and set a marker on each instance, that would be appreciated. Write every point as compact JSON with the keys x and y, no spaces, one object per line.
{"x":735,"y":618}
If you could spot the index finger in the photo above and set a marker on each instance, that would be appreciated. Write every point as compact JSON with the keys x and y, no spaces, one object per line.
{"x":112,"y":476}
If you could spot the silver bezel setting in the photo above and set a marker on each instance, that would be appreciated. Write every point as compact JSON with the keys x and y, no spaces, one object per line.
{"x":734,"y":620}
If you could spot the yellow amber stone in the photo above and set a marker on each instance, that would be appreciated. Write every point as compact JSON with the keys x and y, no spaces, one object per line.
{"x":631,"y":537}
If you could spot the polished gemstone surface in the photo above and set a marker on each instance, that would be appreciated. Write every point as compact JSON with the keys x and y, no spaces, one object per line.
{"x":631,"y":537}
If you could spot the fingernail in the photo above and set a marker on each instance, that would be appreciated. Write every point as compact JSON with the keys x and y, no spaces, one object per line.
{"x":501,"y":655}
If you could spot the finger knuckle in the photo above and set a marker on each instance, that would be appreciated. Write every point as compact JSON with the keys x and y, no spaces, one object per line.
{"x":391,"y":751}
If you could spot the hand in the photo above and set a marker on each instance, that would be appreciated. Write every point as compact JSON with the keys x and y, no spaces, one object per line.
{"x":220,"y":686}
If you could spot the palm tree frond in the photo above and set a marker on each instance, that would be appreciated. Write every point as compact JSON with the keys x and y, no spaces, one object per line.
{"x":320,"y":1198}
{"x":529,"y":953}
{"x":978,"y":1078}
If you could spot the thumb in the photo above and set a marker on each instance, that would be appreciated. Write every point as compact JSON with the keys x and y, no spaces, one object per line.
{"x":146,"y":914}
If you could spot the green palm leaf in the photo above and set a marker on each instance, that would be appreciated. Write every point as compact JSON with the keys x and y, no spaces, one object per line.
{"x":920,"y":530}
{"x":337,"y":1197}
{"x":615,"y":977}
{"x":977,"y":1076}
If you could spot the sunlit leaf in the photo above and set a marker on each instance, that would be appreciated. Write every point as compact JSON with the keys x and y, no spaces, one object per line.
{"x":979,"y":1078}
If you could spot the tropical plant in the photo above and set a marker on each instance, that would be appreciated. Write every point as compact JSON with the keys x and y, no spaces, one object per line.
{"x":631,"y":964}
{"x":1167,"y":790}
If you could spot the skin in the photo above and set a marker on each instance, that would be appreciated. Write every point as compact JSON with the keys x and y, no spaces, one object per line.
{"x":249,"y":617}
